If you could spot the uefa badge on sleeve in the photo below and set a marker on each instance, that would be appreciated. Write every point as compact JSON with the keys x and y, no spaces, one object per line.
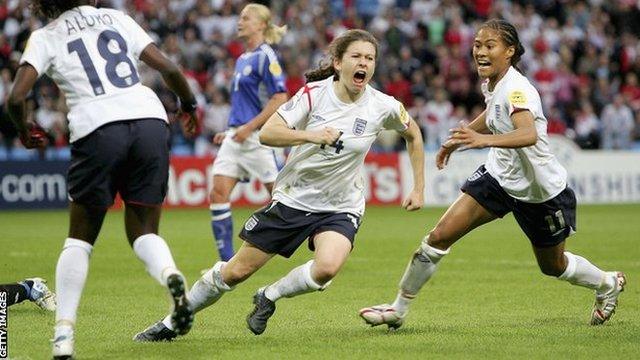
{"x":358,"y":126}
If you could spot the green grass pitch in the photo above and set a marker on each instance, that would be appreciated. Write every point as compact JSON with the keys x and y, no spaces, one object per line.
{"x":488,"y":299}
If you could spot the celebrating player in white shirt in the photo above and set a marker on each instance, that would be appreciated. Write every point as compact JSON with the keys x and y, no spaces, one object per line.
{"x":119,"y":143}
{"x":319,"y":194}
{"x":520,"y":175}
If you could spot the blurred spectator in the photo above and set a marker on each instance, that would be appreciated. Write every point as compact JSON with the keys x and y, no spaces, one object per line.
{"x":617,"y":125}
{"x":587,"y":127}
{"x":437,"y":124}
{"x":577,"y":51}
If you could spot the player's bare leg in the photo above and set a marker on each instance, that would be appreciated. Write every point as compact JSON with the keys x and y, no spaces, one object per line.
{"x":331,"y":252}
{"x":464,"y":215}
{"x":555,"y":261}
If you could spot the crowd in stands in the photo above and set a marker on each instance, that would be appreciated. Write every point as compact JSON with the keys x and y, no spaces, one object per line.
{"x":582,"y":55}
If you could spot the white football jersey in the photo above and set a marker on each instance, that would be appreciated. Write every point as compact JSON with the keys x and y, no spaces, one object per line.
{"x":530,"y":174}
{"x":329,"y":178}
{"x":92,"y":55}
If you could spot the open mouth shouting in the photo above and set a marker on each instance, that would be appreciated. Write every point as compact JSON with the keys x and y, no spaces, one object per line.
{"x":359,"y":77}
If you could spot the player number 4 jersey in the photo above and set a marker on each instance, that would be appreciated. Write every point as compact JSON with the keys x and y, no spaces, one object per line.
{"x":530,"y":174}
{"x":328,"y":178}
{"x":92,"y":55}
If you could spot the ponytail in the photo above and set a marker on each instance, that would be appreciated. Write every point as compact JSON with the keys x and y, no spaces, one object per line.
{"x":321,"y":73}
{"x":274,"y":33}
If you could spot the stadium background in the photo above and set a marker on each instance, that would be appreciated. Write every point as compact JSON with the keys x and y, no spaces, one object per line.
{"x":584,"y":58}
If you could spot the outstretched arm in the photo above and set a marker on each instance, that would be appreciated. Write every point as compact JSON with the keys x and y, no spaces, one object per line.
{"x":415,"y":148}
{"x":479,"y":124}
{"x":243,"y":132}
{"x":275,"y":132}
{"x":523,"y":135}
{"x":176,"y":81}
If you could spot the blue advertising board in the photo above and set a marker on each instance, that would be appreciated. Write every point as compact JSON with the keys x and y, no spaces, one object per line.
{"x":33,"y":184}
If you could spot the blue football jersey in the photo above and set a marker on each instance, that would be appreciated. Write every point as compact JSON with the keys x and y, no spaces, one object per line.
{"x":258,"y":75}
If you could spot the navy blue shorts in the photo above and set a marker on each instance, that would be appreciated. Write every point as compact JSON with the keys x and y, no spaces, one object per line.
{"x":279,"y":229}
{"x":545,"y":224}
{"x":127,"y":157}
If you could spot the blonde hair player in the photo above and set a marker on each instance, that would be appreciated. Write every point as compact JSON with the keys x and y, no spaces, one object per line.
{"x":319,"y":194}
{"x":520,"y":176}
{"x":257,"y":90}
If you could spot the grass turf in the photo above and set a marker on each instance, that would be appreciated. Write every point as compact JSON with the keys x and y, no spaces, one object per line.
{"x":488,"y":299}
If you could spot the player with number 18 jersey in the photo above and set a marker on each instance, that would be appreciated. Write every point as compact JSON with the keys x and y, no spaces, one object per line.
{"x":92,"y":55}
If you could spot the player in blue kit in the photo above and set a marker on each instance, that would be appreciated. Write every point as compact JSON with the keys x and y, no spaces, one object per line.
{"x":257,"y":90}
{"x":119,"y":143}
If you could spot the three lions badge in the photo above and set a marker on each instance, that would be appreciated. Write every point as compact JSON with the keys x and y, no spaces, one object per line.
{"x":358,"y":126}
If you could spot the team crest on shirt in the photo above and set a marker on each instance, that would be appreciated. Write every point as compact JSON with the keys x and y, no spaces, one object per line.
{"x":247,"y":70}
{"x":358,"y":126}
{"x":251,"y":223}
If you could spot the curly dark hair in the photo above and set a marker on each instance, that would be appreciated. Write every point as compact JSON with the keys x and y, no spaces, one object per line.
{"x":53,"y":8}
{"x":337,"y":48}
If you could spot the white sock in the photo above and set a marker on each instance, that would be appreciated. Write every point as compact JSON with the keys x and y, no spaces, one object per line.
{"x":63,"y":329}
{"x":206,"y":291}
{"x":156,"y":256}
{"x":71,"y":274}
{"x":581,"y":272}
{"x":422,"y":266}
{"x":297,"y":282}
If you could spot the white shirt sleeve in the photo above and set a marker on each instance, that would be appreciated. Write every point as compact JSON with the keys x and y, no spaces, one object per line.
{"x":295,"y":112}
{"x":520,"y":97}
{"x":137,"y":38}
{"x":397,"y":119}
{"x":37,"y":53}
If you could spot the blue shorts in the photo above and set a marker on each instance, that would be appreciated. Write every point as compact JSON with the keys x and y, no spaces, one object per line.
{"x":279,"y":229}
{"x":127,"y":157}
{"x":545,"y":224}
